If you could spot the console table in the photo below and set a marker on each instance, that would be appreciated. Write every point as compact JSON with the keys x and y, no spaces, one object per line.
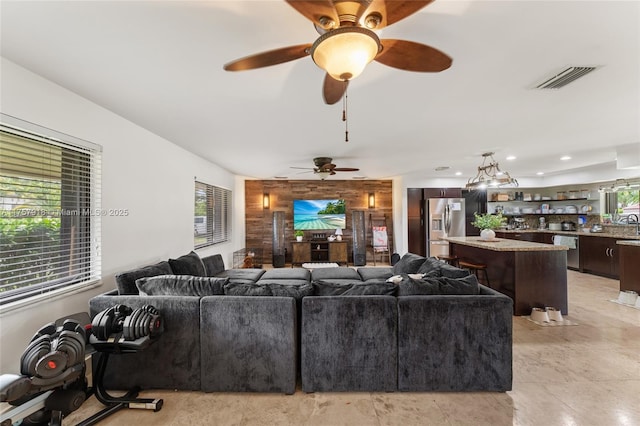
{"x":319,"y":251}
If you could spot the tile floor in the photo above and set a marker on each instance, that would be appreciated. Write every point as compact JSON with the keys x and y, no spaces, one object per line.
{"x":587,"y":374}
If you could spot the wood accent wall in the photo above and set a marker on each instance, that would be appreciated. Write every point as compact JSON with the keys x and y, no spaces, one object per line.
{"x":259,"y":221}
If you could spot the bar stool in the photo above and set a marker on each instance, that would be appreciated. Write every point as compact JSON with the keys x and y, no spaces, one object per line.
{"x":475,"y":268}
{"x":448,"y":258}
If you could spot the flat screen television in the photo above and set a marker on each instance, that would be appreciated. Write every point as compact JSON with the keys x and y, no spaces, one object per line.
{"x":319,"y":214}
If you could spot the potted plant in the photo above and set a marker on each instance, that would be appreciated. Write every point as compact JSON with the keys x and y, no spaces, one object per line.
{"x":487,"y":223}
{"x":299,"y":234}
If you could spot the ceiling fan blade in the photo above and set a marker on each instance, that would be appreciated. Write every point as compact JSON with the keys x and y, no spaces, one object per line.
{"x":333,"y":90}
{"x":314,"y":10}
{"x":391,"y":11}
{"x":346,"y":169}
{"x":398,"y":10}
{"x":412,"y":56}
{"x":301,"y":168}
{"x":271,"y":57}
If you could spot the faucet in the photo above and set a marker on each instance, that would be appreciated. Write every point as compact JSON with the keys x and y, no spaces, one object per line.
{"x":637,"y":222}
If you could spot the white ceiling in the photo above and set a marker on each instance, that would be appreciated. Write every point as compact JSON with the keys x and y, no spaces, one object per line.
{"x":159,"y":64}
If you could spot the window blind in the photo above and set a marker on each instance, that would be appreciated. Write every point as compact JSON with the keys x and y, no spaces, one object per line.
{"x":212,"y":208}
{"x":49,"y":210}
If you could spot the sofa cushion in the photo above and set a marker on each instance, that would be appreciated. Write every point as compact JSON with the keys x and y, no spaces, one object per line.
{"x":181,"y":285}
{"x":188,"y":264}
{"x":270,"y":289}
{"x":408,"y":264}
{"x":247,"y":276}
{"x":126,"y":281}
{"x":330,"y":288}
{"x":213,"y":265}
{"x":341,"y":273}
{"x":436,"y":286}
{"x":287,"y":274}
{"x":376,"y":274}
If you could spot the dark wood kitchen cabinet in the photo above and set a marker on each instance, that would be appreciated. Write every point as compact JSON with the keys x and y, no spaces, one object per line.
{"x":416,"y":234}
{"x":629,"y":267}
{"x":600,"y":256}
{"x":441,"y":193}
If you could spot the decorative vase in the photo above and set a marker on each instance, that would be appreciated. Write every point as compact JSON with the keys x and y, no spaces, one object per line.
{"x":487,"y":234}
{"x":299,"y":238}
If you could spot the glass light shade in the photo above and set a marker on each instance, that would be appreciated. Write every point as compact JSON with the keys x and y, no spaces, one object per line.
{"x":344,"y":52}
{"x":339,"y":231}
{"x":324,"y":175}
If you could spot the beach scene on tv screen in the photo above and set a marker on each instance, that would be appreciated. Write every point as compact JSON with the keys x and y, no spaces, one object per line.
{"x":318,"y":214}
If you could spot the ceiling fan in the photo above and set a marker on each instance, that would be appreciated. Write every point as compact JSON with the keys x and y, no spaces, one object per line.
{"x":325,"y":168}
{"x":347,"y":42}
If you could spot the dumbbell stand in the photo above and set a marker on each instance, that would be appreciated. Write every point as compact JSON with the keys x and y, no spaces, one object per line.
{"x":116,"y":403}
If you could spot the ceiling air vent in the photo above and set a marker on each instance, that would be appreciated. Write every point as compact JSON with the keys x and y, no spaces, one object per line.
{"x":564,"y":77}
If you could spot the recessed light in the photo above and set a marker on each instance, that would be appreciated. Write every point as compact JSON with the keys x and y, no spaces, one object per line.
{"x":458,"y":173}
{"x":281,"y":177}
{"x":442,"y":168}
{"x":358,"y":177}
{"x":565,"y":158}
{"x":511,"y":157}
{"x":540,"y":173}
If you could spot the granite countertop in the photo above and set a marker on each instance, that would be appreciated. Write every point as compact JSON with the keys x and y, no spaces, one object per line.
{"x":504,"y":244}
{"x":583,"y":233}
{"x":635,"y":243}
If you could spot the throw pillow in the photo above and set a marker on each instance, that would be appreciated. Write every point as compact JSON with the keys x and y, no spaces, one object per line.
{"x":431,"y":267}
{"x":126,"y":281}
{"x":449,"y":271}
{"x":464,"y":285}
{"x":189,"y":264}
{"x":295,"y":291}
{"x":377,"y":289}
{"x":408,"y":264}
{"x":438,"y":286}
{"x":180,"y":285}
{"x":324,"y":288}
{"x":246,"y":289}
{"x":268,"y":289}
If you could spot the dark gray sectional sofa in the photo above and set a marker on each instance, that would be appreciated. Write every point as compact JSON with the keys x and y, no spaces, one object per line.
{"x":332,"y":329}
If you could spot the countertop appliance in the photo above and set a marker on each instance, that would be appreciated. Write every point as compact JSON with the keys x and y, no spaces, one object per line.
{"x":445,"y":218}
{"x":573,"y":254}
{"x":568,"y":225}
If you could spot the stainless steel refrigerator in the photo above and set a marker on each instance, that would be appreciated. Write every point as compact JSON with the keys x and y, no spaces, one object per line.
{"x":445,"y":218}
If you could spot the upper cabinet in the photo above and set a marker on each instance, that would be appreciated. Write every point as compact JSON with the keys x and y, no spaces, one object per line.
{"x":441,"y":193}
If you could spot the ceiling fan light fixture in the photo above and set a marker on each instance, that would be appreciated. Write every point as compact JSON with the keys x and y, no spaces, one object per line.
{"x":345,"y":52}
{"x":323,"y":174}
{"x":490,"y":175}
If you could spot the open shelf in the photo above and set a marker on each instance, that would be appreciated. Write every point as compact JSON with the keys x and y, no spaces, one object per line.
{"x":545,"y":201}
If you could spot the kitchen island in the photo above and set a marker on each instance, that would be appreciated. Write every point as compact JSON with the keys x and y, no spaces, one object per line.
{"x":532,"y":274}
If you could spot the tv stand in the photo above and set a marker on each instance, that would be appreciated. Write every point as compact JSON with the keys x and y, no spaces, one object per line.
{"x":319,"y":251}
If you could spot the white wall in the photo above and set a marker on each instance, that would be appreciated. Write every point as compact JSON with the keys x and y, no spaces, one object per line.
{"x":141,"y":172}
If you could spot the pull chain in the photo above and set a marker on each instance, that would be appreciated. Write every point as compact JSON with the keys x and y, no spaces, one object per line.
{"x":344,"y":113}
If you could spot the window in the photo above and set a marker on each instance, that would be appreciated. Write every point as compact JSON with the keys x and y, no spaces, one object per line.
{"x":212,"y":220}
{"x":628,"y":207}
{"x":49,"y":210}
